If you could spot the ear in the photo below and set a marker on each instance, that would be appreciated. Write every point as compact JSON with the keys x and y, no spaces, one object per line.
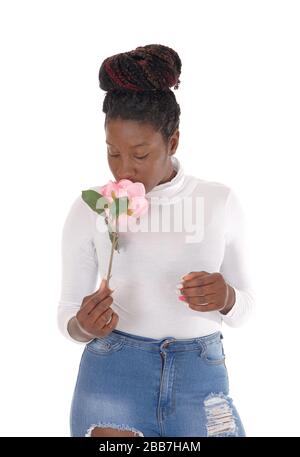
{"x":174,"y":140}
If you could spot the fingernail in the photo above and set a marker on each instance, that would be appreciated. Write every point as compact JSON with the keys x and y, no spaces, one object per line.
{"x":182,"y":277}
{"x":182,"y":297}
{"x":179,"y":286}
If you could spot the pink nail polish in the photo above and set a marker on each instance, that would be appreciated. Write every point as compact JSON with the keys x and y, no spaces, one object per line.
{"x":181,"y":297}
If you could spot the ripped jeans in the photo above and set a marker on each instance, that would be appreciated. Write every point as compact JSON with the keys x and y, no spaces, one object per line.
{"x":154,"y":387}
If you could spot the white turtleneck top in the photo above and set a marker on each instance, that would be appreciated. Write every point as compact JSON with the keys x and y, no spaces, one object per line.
{"x":191,"y":225}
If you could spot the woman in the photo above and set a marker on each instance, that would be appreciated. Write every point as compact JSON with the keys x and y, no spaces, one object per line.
{"x":153,"y":362}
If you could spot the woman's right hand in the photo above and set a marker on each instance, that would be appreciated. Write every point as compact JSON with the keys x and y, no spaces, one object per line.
{"x":95,"y":317}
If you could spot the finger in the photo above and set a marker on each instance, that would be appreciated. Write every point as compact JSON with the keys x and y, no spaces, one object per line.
{"x":199,"y":281}
{"x":100,"y":308}
{"x":204,"y":300}
{"x":103,"y":285}
{"x":104,"y":318}
{"x":205,"y":308}
{"x":197,"y":291}
{"x":194,"y":274}
{"x":112,"y":323}
{"x":87,"y":298}
{"x":101,"y":293}
{"x":90,"y":304}
{"x":90,"y":319}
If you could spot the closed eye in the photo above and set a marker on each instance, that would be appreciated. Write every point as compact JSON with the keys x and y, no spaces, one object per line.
{"x":139,"y":158}
{"x":142,"y":157}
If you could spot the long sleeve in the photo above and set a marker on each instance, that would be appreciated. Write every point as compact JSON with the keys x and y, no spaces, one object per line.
{"x":79,"y":264}
{"x":235,"y":266}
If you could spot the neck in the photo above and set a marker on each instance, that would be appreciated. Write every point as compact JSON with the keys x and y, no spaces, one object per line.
{"x":171,"y":176}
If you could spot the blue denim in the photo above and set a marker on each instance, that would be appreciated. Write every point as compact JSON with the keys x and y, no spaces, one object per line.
{"x":154,"y":387}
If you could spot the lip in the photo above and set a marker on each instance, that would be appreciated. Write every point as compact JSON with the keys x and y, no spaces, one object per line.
{"x":130,"y":179}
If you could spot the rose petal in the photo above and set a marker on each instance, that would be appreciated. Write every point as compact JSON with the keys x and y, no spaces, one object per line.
{"x":139,"y":205}
{"x":136,"y":189}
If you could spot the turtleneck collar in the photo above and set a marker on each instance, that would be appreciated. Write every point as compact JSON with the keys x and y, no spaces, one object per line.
{"x":168,"y":191}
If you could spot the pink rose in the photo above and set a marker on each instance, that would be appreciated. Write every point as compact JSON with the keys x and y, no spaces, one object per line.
{"x":137,"y":203}
{"x":137,"y":206}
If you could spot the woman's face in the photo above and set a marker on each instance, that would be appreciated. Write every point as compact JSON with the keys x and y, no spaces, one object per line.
{"x":137,"y":152}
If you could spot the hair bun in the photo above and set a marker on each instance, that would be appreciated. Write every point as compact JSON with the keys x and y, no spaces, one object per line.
{"x":151,"y":67}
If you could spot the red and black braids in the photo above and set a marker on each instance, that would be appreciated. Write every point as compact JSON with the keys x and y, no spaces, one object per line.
{"x":138,"y":86}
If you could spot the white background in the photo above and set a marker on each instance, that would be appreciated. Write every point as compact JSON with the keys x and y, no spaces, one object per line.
{"x":240,"y":99}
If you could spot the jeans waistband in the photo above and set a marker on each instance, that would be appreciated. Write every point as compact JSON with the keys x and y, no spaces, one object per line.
{"x":152,"y":344}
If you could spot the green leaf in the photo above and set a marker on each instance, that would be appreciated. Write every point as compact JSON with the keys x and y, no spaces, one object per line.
{"x":96,"y":201}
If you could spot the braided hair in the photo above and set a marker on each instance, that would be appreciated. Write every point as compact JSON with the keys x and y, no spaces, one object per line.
{"x":138,"y":87}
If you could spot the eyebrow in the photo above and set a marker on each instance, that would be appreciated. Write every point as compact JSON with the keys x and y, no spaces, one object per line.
{"x":135,"y":146}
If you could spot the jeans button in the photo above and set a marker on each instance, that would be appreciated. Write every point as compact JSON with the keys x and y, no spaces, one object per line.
{"x":166,"y":343}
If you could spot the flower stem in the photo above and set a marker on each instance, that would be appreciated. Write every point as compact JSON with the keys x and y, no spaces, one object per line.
{"x":111,"y":257}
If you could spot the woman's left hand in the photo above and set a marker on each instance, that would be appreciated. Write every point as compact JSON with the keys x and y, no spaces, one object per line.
{"x":204,"y":291}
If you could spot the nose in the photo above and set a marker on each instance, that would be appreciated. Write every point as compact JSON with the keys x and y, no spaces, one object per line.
{"x":125,"y":170}
{"x":126,"y":175}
